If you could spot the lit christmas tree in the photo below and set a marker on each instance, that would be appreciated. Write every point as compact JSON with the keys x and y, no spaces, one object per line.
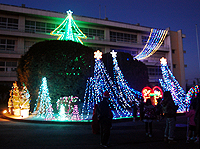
{"x":25,"y":97}
{"x":169,"y":83}
{"x":43,"y":108}
{"x":68,"y":30}
{"x":95,"y":88}
{"x":123,"y":87}
{"x":75,"y":113}
{"x":62,"y":116}
{"x":14,"y":102}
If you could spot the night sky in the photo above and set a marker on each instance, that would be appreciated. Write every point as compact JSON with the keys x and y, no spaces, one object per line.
{"x":176,"y":14}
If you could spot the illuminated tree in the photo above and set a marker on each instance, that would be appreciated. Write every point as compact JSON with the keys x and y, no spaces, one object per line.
{"x":43,"y":107}
{"x":95,"y":88}
{"x":169,"y":83}
{"x":129,"y":93}
{"x":25,"y":97}
{"x":75,"y":113}
{"x":14,"y":101}
{"x":68,"y":30}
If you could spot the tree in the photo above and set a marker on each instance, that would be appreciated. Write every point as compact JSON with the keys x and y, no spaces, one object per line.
{"x":43,"y":106}
{"x":65,"y":64}
{"x":135,"y":72}
{"x":68,"y":30}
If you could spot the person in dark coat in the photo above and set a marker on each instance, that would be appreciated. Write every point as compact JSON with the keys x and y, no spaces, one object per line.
{"x":141,"y":106}
{"x":169,"y":109}
{"x":134,"y":109}
{"x":95,"y":121}
{"x":105,"y":119}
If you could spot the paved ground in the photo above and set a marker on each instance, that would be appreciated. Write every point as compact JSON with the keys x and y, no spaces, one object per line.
{"x":126,"y":134}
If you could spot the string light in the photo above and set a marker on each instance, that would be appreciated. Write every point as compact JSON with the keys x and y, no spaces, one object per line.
{"x":120,"y":93}
{"x":68,"y":30}
{"x":154,"y":42}
{"x":43,"y":107}
{"x":169,"y":83}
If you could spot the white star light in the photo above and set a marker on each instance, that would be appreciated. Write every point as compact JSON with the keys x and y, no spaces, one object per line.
{"x":98,"y":55}
{"x":163,"y":61}
{"x":114,"y":54}
{"x":69,"y":12}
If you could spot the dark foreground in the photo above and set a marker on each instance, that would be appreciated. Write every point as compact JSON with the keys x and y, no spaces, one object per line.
{"x":124,"y":135}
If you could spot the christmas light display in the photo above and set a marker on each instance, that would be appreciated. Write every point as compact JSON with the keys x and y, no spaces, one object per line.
{"x":43,"y":107}
{"x":65,"y":106}
{"x":68,"y":30}
{"x":75,"y":113}
{"x":123,"y":87}
{"x":14,"y":101}
{"x":154,"y":42}
{"x":191,"y":93}
{"x":102,"y":82}
{"x":25,"y":96}
{"x":155,"y":93}
{"x":169,"y":83}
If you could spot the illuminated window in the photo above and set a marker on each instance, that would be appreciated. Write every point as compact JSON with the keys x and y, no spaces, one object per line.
{"x":123,"y":37}
{"x":8,"y":23}
{"x":7,"y":45}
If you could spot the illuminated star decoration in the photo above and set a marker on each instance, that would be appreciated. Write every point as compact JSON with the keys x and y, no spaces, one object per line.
{"x":163,"y":61}
{"x":114,"y":54}
{"x":98,"y":55}
{"x":68,"y":30}
{"x":154,"y":42}
{"x":169,"y":83}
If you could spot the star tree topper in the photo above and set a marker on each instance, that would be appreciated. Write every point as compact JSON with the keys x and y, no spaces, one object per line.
{"x":163,"y":61}
{"x":98,"y":55}
{"x":114,"y":54}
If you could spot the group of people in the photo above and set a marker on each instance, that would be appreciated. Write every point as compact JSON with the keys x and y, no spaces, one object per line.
{"x":102,"y":117}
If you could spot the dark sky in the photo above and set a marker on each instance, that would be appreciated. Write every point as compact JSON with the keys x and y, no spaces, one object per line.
{"x":176,"y":14}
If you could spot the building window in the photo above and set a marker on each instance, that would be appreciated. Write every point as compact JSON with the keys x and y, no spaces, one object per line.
{"x":8,"y":23}
{"x":8,"y":66}
{"x":144,"y":39}
{"x":173,"y":51}
{"x":125,"y":51}
{"x":7,"y":45}
{"x":154,"y":71}
{"x":39,"y":27}
{"x":93,"y":33}
{"x":174,"y":65}
{"x":122,"y":37}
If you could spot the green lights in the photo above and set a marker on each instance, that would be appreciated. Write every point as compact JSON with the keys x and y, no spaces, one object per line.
{"x":68,"y":30}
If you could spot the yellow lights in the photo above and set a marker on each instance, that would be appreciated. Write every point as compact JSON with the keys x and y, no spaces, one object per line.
{"x":4,"y":111}
{"x":154,"y":42}
{"x":98,"y":55}
{"x":163,"y":61}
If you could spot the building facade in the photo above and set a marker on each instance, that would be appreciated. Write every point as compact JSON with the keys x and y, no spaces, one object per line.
{"x":21,"y":27}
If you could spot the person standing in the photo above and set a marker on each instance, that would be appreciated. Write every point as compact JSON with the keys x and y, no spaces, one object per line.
{"x":149,"y":116}
{"x":95,"y":122}
{"x":105,"y":119}
{"x":134,"y":110}
{"x":169,"y":109}
{"x":141,"y":106}
{"x":192,"y":125}
{"x":197,"y":118}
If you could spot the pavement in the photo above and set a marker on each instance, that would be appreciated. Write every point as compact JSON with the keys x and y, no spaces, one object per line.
{"x":124,"y":134}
